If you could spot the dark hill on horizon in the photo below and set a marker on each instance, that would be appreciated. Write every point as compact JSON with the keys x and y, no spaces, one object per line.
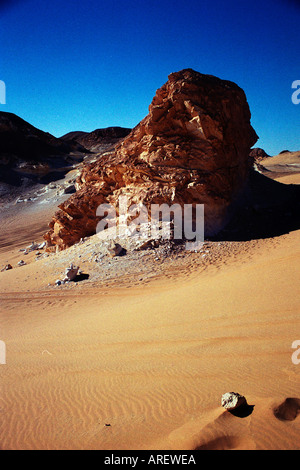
{"x":29,"y":155}
{"x":99,"y":140}
{"x":22,"y":140}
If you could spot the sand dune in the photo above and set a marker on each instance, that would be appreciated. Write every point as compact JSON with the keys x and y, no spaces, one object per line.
{"x":284,"y":158}
{"x":129,"y":365}
{"x":282,"y":165}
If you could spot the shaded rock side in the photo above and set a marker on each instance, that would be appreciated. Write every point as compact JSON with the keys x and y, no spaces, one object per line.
{"x":193,"y":147}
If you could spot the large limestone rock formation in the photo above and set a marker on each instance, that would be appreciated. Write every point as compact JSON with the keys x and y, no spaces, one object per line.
{"x":192,"y":147}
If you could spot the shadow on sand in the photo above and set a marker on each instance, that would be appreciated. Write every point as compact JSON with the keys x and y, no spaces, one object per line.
{"x":266,"y":209}
{"x":81,"y":277}
{"x":242,"y":411}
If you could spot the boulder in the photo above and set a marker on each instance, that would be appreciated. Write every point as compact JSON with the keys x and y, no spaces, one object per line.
{"x":32,"y":247}
{"x":232,"y":401}
{"x":192,"y":148}
{"x":70,"y":273}
{"x":7,"y":268}
{"x":114,"y":249}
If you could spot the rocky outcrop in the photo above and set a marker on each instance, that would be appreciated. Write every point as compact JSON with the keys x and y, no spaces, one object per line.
{"x":258,"y":154}
{"x":193,"y":147}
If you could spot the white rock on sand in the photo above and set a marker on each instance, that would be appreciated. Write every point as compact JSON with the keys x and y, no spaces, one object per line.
{"x":232,"y":400}
{"x":71,"y":273}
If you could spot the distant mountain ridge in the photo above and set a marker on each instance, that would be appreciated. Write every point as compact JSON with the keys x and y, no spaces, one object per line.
{"x":29,"y":155}
{"x":20,"y":139}
{"x":99,"y":139}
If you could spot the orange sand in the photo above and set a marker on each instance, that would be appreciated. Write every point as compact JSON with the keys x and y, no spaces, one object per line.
{"x":152,"y":360}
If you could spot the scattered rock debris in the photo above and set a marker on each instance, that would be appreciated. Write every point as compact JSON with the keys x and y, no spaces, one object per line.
{"x":7,"y":267}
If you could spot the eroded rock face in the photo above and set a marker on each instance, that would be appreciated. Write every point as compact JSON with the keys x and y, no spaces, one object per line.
{"x":193,"y":147}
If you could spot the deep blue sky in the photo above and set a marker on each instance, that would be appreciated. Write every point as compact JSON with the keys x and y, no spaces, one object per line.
{"x":81,"y":65}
